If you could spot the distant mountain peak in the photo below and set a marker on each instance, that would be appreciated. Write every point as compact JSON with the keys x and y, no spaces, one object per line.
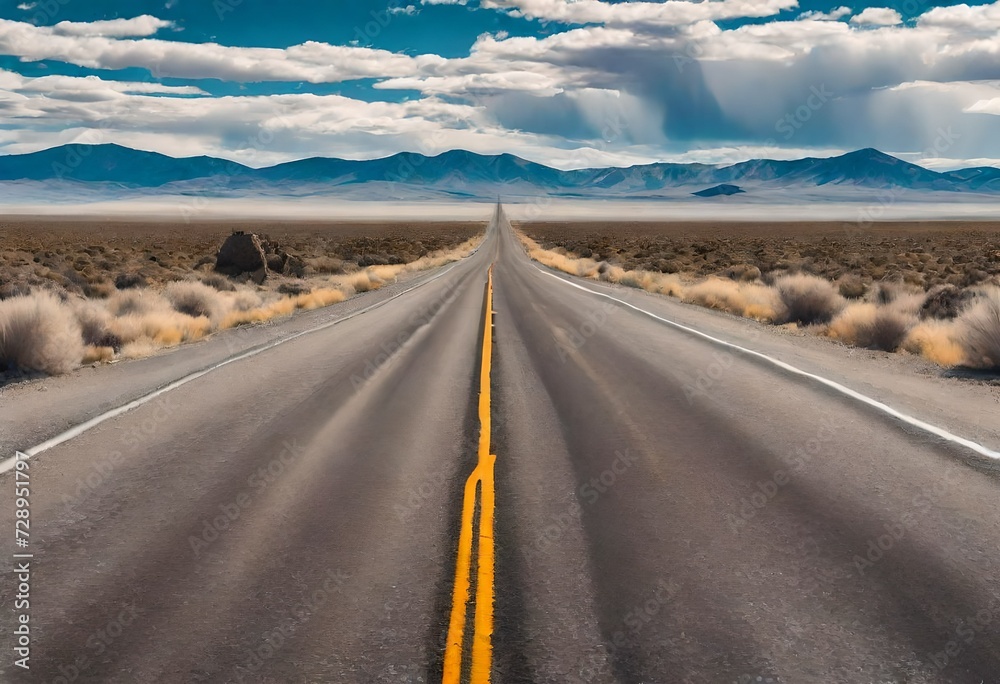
{"x":463,"y":173}
{"x":724,"y":190}
{"x":870,"y":154}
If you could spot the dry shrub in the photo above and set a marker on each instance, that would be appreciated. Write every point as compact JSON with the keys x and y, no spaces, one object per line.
{"x":808,"y":299}
{"x":328,"y":265}
{"x":743,"y":272}
{"x":235,"y":319}
{"x":127,"y":281}
{"x":583,"y":267}
{"x":900,"y":297}
{"x":294,"y":289}
{"x":195,"y":299}
{"x":139,"y":349}
{"x":586,"y":268}
{"x":364,"y":282}
{"x":160,"y":328}
{"x":319,"y":298}
{"x":752,"y":300}
{"x":95,"y":324}
{"x":244,"y":300}
{"x":101,"y":289}
{"x":945,"y":302}
{"x":282,"y":307}
{"x":980,"y":331}
{"x":851,"y":286}
{"x":853,"y":325}
{"x":94,"y":354}
{"x":641,"y":280}
{"x":38,"y":332}
{"x":669,"y":284}
{"x":137,"y":302}
{"x":890,"y":328}
{"x":871,"y":326}
{"x":385,"y":273}
{"x":936,"y":341}
{"x":219,"y":282}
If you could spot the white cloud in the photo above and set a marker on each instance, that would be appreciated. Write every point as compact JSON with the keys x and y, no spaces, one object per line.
{"x":409,"y":10}
{"x":668,"y":13}
{"x":478,"y":84}
{"x":311,"y":62}
{"x":990,"y":106}
{"x":877,"y":16}
{"x":979,"y":19}
{"x":27,"y":6}
{"x":832,"y":15}
{"x":141,"y":26}
{"x":553,"y":97}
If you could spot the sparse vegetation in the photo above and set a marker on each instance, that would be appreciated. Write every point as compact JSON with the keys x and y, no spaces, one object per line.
{"x":40,"y":333}
{"x":917,"y":288}
{"x":808,"y":299}
{"x":980,"y":329}
{"x":151,"y":286}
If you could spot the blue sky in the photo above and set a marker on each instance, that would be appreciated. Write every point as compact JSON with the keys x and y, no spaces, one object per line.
{"x":571,"y":83}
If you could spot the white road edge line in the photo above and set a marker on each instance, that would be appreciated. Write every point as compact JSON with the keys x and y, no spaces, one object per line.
{"x":73,"y":432}
{"x":864,"y":399}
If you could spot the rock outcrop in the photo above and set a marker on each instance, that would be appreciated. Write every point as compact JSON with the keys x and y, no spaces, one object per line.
{"x":249,"y":253}
{"x":240,"y":253}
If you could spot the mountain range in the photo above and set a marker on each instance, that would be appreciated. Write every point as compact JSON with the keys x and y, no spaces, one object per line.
{"x":466,"y":174}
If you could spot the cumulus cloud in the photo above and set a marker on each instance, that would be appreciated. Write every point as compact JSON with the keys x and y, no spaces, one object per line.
{"x":144,"y":25}
{"x":668,"y":13}
{"x":256,"y":130}
{"x":978,"y":19}
{"x":409,"y":10}
{"x":84,"y":45}
{"x":990,"y":106}
{"x":832,"y":15}
{"x":630,"y":81}
{"x":877,"y":16}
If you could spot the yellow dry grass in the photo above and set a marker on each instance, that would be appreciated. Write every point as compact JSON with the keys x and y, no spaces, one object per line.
{"x":850,"y":324}
{"x":319,"y":298}
{"x":862,"y":323}
{"x":938,"y":342}
{"x":747,"y":299}
{"x":94,"y":354}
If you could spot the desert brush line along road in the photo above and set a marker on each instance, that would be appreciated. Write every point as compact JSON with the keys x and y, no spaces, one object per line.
{"x":496,"y":473}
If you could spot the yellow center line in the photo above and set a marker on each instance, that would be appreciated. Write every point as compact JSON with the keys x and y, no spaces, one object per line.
{"x":481,"y":478}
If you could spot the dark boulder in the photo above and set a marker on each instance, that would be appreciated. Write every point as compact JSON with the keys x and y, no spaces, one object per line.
{"x":241,"y":253}
{"x":945,"y":302}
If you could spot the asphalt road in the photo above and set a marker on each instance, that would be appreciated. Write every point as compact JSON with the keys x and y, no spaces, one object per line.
{"x":667,"y":509}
